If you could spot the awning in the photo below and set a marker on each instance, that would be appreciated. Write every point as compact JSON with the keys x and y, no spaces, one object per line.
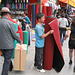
{"x":71,"y":2}
{"x":64,"y":1}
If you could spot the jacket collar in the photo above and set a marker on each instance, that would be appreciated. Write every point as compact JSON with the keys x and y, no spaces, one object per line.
{"x":4,"y":17}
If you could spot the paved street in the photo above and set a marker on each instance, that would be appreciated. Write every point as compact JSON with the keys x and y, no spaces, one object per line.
{"x":31,"y":70}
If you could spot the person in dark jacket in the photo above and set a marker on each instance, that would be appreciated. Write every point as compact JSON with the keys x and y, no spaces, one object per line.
{"x":8,"y":35}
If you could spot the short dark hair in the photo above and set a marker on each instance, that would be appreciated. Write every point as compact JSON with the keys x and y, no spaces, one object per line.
{"x":39,"y":15}
{"x":62,"y":15}
{"x":26,"y":13}
{"x":4,"y":13}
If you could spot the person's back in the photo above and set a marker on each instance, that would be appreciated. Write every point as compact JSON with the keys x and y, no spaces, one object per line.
{"x":8,"y":35}
{"x":6,"y":38}
{"x":63,"y":22}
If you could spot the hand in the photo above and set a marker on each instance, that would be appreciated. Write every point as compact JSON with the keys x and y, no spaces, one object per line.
{"x":21,"y":43}
{"x":51,"y":31}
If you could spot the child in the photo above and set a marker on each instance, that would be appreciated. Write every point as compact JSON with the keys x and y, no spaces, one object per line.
{"x":39,"y":43}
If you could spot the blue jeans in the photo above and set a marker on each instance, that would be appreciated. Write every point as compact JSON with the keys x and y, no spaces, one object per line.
{"x":7,"y":53}
{"x":62,"y":35}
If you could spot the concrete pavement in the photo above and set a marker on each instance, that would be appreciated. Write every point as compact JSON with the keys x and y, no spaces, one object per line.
{"x":31,"y":70}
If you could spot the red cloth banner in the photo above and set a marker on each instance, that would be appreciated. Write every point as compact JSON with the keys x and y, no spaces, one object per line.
{"x":29,"y":11}
{"x":33,"y":1}
{"x":37,"y":11}
{"x":49,"y":11}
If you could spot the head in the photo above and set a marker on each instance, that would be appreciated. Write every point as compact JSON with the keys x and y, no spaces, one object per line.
{"x":5,"y":12}
{"x":40,"y":17}
{"x":62,"y":15}
{"x":25,"y":14}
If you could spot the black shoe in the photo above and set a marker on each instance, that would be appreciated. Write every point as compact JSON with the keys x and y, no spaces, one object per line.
{"x":74,"y":69}
{"x":11,"y":66}
{"x":70,"y":62}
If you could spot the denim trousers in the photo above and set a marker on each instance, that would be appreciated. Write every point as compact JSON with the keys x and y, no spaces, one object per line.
{"x":7,"y":53}
{"x":62,"y":35}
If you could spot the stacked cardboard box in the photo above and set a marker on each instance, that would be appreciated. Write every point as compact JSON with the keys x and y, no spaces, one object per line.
{"x":20,"y":57}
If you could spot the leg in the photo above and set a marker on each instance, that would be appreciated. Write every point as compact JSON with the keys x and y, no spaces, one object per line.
{"x":61,"y":35}
{"x":35,"y":60}
{"x":10,"y":66}
{"x":39,"y":58}
{"x":64,"y":33}
{"x":74,"y":57}
{"x":74,"y":60}
{"x":70,"y":55}
{"x":7,"y":58}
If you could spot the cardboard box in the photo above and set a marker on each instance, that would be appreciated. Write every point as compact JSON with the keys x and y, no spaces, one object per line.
{"x":20,"y":57}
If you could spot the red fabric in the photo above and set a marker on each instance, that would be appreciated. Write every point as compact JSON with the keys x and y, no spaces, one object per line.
{"x":33,"y":1}
{"x":37,"y":11}
{"x":21,"y":34}
{"x":19,"y":29}
{"x":26,"y":6}
{"x":49,"y":11}
{"x":54,"y":26}
{"x":49,"y":47}
{"x":44,"y":1}
{"x":53,"y":51}
{"x":44,"y":10}
{"x":29,"y":11}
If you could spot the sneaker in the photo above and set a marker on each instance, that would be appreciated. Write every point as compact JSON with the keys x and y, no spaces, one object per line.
{"x":70,"y":62}
{"x":42,"y":70}
{"x":74,"y":69}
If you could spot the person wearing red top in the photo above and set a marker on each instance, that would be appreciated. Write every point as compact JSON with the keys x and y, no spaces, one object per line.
{"x":19,"y":29}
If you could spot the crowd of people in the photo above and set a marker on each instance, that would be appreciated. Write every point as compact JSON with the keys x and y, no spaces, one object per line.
{"x":8,"y":35}
{"x":67,"y":29}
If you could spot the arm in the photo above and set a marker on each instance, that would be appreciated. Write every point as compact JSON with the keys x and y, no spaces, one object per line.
{"x":14,"y":34}
{"x":68,"y":34}
{"x":45,"y":35}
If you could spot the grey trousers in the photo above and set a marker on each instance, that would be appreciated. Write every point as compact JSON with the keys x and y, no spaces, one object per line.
{"x":7,"y":53}
{"x":38,"y":58}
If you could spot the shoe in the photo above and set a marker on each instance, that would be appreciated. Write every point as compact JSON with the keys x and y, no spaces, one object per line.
{"x":42,"y":70}
{"x":70,"y":62}
{"x":11,"y":66}
{"x":74,"y":69}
